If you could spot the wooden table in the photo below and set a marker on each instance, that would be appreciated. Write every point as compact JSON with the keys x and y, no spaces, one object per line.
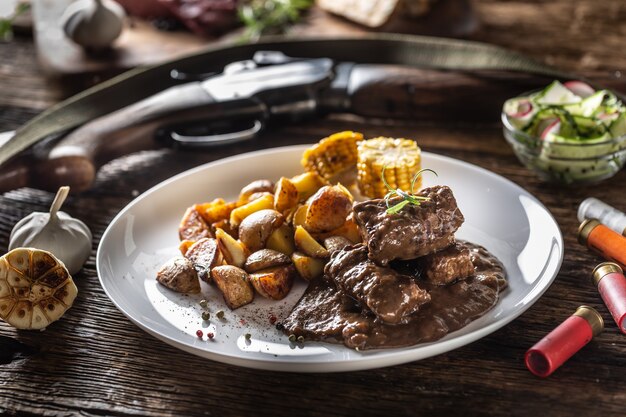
{"x":96,"y":362}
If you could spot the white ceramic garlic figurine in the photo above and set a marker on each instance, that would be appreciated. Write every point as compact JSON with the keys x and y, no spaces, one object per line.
{"x":67,"y":238}
{"x":93,"y":24}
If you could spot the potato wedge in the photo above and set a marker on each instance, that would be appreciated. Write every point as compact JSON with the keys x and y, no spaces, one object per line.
{"x":192,"y":226}
{"x":286,"y":195}
{"x":281,"y":240}
{"x":178,"y":274}
{"x":328,"y":209}
{"x":225,"y":226}
{"x":233,"y":251}
{"x":254,"y":187}
{"x":349,"y":230}
{"x":274,"y":283}
{"x":264,"y":259}
{"x":299,"y":217}
{"x":184,"y":246}
{"x":204,"y":254}
{"x":308,"y":267}
{"x":256,"y":228}
{"x":215,"y":210}
{"x":234,"y":284}
{"x":307,"y":244}
{"x":240,"y":213}
{"x":307,"y":184}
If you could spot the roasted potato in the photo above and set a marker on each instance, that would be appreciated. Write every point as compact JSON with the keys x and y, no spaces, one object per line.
{"x":204,"y":254}
{"x":234,"y":284}
{"x":254,"y":187}
{"x":281,"y":240}
{"x":335,"y":243}
{"x":274,"y":283}
{"x":258,"y":195}
{"x":225,"y":226}
{"x":286,"y":195}
{"x":178,"y":274}
{"x":349,"y":230}
{"x":299,"y":217}
{"x":328,"y":209}
{"x":215,"y":211}
{"x":256,"y":228}
{"x":307,"y":184}
{"x":308,"y":267}
{"x":307,"y":244}
{"x":264,"y":259}
{"x":233,"y":251}
{"x":240,"y":213}
{"x":184,"y":246}
{"x":192,"y":226}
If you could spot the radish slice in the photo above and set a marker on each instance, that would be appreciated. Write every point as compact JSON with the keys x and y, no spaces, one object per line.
{"x":524,"y":108}
{"x":548,"y":127}
{"x":580,"y":88}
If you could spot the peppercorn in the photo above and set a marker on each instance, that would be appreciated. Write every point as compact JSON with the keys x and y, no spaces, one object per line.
{"x":220,"y":314}
{"x":206,"y":315}
{"x":210,"y":335}
{"x":280,"y":326}
{"x":199,"y":334}
{"x":203,"y":303}
{"x":248,"y":336}
{"x":272,"y":319}
{"x":300,"y":339}
{"x":292,"y":338}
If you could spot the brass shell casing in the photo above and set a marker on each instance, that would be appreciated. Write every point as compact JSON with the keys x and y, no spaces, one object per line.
{"x":585,"y":229}
{"x":592,"y":317}
{"x":603,"y":270}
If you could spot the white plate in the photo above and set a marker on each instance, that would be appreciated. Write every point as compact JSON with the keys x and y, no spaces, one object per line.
{"x":499,"y":215}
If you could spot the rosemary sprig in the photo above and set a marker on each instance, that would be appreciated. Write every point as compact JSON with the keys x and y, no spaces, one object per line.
{"x":407,"y":197}
{"x":262,"y":17}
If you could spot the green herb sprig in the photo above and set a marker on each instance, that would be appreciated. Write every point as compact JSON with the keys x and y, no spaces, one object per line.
{"x":6,"y":23}
{"x":407,"y":197}
{"x":262,"y":17}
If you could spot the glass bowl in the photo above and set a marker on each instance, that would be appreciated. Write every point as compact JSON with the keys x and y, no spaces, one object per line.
{"x":586,"y":162}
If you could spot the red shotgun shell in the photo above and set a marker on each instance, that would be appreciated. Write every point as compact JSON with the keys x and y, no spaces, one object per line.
{"x":563,"y":342}
{"x":611,"y":283}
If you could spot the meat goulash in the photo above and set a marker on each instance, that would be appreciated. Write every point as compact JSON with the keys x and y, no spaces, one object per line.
{"x":384,"y":272}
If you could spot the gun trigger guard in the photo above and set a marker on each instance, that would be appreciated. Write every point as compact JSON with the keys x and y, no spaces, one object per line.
{"x":188,"y":141}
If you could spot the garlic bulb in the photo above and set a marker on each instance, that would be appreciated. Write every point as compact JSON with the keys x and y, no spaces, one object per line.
{"x":67,"y":238}
{"x":93,"y":24}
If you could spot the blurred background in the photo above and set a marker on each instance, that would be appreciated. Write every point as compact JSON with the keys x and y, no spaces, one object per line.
{"x":58,"y":47}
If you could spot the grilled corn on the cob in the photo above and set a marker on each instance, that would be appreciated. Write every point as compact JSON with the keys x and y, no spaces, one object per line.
{"x":401,"y":159}
{"x":333,"y":155}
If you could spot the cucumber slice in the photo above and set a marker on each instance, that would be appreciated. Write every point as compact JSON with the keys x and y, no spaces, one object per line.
{"x":560,"y":147}
{"x":618,"y":127}
{"x":588,"y":106}
{"x":557,"y":94}
{"x":519,"y":111}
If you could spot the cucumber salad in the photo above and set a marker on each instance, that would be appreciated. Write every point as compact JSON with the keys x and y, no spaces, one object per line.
{"x":568,"y":132}
{"x":569,"y":112}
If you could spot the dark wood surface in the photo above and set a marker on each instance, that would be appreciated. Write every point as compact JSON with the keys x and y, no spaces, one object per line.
{"x":96,"y":362}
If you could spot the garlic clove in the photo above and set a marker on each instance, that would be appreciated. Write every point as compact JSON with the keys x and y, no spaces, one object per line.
{"x":68,"y":238}
{"x":93,"y":24}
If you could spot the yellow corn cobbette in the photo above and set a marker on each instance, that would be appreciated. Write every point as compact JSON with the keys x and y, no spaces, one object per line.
{"x":401,"y":159}
{"x":333,"y":155}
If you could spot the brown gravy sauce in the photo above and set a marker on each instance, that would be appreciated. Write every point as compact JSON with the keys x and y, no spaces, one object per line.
{"x":326,"y":314}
